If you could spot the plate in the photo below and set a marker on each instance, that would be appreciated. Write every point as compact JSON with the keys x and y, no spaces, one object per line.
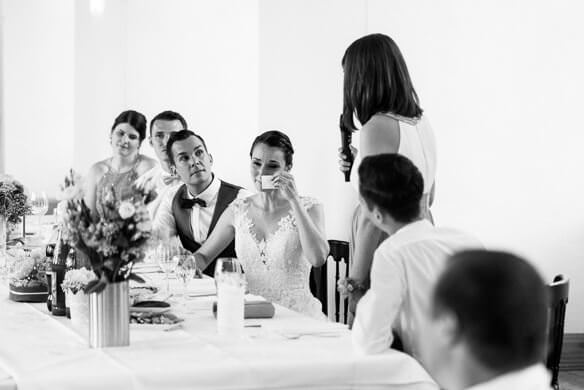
{"x":156,"y":310}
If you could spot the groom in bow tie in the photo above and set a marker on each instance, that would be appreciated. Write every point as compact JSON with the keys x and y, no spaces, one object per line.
{"x":193,"y":210}
{"x":159,"y":178}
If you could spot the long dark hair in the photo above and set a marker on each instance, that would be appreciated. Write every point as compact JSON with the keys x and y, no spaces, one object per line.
{"x":376,"y":80}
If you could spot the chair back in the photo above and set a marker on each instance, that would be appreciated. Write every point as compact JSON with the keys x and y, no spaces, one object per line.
{"x":337,"y":268}
{"x":323,"y":281}
{"x":558,"y":299}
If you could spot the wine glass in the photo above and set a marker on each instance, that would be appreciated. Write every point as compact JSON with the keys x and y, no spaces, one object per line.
{"x":167,"y":261}
{"x":39,"y":204}
{"x":230,"y":282}
{"x":186,"y":269}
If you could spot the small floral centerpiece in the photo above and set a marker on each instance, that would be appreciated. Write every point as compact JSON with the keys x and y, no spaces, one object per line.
{"x":13,"y":200}
{"x":74,"y":285}
{"x":77,"y":280}
{"x":13,"y":206}
{"x":114,"y":239}
{"x":28,"y":280}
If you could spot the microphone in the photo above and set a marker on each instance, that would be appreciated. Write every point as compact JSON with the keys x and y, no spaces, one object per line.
{"x":346,"y":135}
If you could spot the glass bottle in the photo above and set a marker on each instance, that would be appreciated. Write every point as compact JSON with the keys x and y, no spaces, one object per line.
{"x":58,"y":269}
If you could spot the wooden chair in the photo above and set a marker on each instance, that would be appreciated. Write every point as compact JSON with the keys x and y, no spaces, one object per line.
{"x":323,"y":281}
{"x":558,"y":299}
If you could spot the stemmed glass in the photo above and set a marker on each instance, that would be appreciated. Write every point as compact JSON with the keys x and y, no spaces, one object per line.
{"x":167,"y":259}
{"x":39,"y":204}
{"x":186,"y":269}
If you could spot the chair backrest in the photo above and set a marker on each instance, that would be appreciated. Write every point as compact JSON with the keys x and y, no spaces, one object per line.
{"x":338,"y":268}
{"x":558,"y":299}
{"x":323,"y":281}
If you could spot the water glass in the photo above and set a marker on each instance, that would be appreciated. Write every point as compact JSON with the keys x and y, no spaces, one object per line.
{"x":186,"y":270}
{"x":230,"y":282}
{"x":167,"y":259}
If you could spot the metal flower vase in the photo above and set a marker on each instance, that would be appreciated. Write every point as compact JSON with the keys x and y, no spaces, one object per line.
{"x":109,"y":316}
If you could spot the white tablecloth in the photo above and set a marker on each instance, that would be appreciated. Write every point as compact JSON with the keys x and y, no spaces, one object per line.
{"x":39,"y":351}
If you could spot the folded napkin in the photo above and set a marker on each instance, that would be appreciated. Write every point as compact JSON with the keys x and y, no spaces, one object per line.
{"x":255,"y":307}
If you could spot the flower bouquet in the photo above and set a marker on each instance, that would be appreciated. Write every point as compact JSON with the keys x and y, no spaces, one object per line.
{"x":28,"y":281}
{"x":112,"y":240}
{"x":13,"y":206}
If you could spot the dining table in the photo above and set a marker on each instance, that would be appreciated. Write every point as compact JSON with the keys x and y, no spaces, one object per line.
{"x":289,"y":351}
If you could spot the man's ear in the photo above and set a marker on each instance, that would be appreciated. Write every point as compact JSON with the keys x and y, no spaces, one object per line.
{"x":377,"y":214}
{"x":211,"y":159}
{"x":150,"y":141}
{"x":448,"y":327}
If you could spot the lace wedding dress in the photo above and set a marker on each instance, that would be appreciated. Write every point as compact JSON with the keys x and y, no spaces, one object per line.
{"x":275,"y":267}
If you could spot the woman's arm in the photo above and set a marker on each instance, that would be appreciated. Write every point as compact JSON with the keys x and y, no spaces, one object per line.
{"x":219,"y":239}
{"x":310,"y":224}
{"x":311,"y":232}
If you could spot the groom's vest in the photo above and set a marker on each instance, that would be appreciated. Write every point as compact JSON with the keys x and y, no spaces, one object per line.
{"x":227,"y":193}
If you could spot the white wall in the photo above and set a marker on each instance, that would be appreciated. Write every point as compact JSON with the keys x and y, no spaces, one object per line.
{"x":37,"y":85}
{"x":199,"y":58}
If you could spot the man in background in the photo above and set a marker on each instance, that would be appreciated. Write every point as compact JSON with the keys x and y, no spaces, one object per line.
{"x":159,"y":178}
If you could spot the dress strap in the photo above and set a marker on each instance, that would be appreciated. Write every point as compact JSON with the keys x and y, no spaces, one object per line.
{"x":400,"y":118}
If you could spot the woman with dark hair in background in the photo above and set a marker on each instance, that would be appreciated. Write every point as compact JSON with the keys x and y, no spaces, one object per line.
{"x":124,"y":166}
{"x":278,"y":234}
{"x":379,"y":94}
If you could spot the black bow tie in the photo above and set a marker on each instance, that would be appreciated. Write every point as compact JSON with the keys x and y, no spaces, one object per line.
{"x":189,"y":203}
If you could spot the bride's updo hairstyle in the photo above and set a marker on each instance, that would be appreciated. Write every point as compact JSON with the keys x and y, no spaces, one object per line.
{"x":275,"y":139}
{"x":134,"y":119}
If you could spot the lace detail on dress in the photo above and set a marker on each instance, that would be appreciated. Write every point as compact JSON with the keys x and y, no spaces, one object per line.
{"x":275,"y":267}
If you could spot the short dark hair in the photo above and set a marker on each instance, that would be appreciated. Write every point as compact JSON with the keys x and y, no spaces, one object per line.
{"x":134,"y":119}
{"x":181,"y":136}
{"x":275,"y":139}
{"x":169,"y":116}
{"x":393,"y":183}
{"x":500,"y":302}
{"x":376,"y":80}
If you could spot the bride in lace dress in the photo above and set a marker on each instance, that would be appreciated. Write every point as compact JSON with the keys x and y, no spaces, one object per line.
{"x":278,"y":234}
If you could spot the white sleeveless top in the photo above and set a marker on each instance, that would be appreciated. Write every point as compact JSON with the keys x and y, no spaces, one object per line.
{"x":416,"y":142}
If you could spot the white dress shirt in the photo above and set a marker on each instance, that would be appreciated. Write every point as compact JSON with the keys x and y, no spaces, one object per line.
{"x":535,"y":377}
{"x":160,"y":181}
{"x":200,"y":216}
{"x":405,"y":267}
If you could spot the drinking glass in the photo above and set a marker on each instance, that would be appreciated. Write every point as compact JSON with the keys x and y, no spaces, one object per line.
{"x":39,"y":204}
{"x":230,"y":282}
{"x":167,"y":259}
{"x":186,"y":270}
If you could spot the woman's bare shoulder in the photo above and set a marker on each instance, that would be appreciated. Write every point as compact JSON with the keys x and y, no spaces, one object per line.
{"x":380,"y":135}
{"x":146,"y":164}
{"x":98,"y":169}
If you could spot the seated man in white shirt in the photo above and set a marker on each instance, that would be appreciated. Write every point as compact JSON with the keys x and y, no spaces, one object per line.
{"x":487,"y":324}
{"x":159,"y":178}
{"x":407,"y":264}
{"x":192,"y":211}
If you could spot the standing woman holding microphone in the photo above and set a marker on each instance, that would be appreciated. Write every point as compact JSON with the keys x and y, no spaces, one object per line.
{"x":379,"y":101}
